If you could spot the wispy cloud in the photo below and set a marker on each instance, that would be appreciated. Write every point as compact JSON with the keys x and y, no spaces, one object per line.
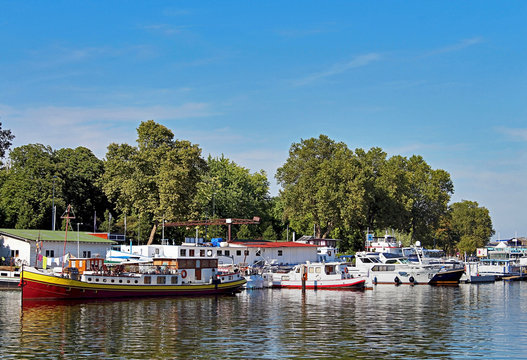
{"x":339,"y":68}
{"x":463,"y":44}
{"x":94,"y":128}
{"x":519,"y":134}
{"x":165,"y":29}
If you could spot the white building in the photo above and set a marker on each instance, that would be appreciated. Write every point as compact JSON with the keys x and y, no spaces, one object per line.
{"x":236,"y":252}
{"x":32,"y":247}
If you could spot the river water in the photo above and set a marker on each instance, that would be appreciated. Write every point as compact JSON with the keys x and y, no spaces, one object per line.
{"x":466,"y":321}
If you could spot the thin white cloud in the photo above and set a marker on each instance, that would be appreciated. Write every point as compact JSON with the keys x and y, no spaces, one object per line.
{"x":336,"y":69}
{"x":514,"y":133}
{"x":463,"y":44}
{"x":165,"y":29}
{"x":93,"y":128}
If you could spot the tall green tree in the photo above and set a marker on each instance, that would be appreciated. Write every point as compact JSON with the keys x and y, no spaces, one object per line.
{"x":471,"y":225}
{"x":228,"y":190}
{"x":429,"y":194}
{"x":312,"y":181}
{"x":156,"y":179}
{"x":81,"y":171}
{"x":39,"y":177}
{"x":26,"y":194}
{"x":5,"y":140}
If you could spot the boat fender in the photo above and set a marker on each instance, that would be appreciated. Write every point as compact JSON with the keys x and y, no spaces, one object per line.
{"x":375,"y":280}
{"x":396,"y":280}
{"x":411,"y":279}
{"x":183,"y":274}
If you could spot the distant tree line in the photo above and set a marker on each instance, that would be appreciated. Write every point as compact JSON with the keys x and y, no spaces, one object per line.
{"x":326,"y":188}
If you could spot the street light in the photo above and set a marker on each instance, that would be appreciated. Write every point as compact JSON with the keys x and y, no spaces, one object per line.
{"x":78,"y":250}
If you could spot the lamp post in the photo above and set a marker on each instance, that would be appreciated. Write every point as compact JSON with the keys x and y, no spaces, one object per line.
{"x":78,"y":247}
{"x":53,"y":206}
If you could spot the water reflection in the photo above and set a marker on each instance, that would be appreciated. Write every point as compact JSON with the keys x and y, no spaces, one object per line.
{"x":468,"y":321}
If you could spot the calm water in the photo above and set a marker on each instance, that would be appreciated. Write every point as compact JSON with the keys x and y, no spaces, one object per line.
{"x":469,"y":321}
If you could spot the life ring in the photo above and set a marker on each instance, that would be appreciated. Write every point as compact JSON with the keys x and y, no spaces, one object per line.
{"x":183,"y":274}
{"x":346,"y":269}
{"x":411,"y":279}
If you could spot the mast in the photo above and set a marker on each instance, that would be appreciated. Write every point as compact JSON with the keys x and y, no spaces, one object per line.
{"x":66,"y":216}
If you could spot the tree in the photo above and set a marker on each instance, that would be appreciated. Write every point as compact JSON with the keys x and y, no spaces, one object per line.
{"x":471,"y":225}
{"x":228,"y":190}
{"x":26,"y":193}
{"x":429,"y":193}
{"x":80,"y":171}
{"x":312,"y":181}
{"x":5,"y":140}
{"x":156,"y":179}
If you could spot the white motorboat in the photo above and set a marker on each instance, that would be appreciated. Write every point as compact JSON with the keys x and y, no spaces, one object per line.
{"x":332,"y":275}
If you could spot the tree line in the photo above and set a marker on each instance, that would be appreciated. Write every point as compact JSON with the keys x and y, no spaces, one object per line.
{"x":326,"y":188}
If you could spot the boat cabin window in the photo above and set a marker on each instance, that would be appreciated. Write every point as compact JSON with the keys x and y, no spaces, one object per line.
{"x":238,"y":253}
{"x":161,"y":280}
{"x":219,"y":253}
{"x":246,"y":252}
{"x":191,"y":253}
{"x":174,"y":280}
{"x":183,"y":252}
{"x":279,"y":252}
{"x":318,"y":269}
{"x":311,"y":270}
{"x":258,"y":252}
{"x":147,"y":280}
{"x":202,"y":253}
{"x":330,"y":269}
{"x":297,"y":270}
{"x":86,"y":254}
{"x":227,"y":253}
{"x":50,"y":253}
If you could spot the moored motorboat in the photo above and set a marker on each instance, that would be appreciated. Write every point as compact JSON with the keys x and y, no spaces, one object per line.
{"x":91,"y":279}
{"x":9,"y":277}
{"x":332,"y":276}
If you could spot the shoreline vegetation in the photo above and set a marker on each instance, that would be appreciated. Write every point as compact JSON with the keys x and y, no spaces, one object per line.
{"x":327,"y":189}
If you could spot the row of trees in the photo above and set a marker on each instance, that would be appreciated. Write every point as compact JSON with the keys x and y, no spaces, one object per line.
{"x":339,"y":192}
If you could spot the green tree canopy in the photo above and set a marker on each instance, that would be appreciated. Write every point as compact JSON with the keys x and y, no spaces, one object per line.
{"x":471,"y":225}
{"x":157,"y":179}
{"x":313,"y":184}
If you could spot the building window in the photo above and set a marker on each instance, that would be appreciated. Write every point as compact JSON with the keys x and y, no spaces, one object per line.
{"x":86,"y":254}
{"x":279,"y":252}
{"x":238,"y":253}
{"x":183,"y":252}
{"x":50,"y":253}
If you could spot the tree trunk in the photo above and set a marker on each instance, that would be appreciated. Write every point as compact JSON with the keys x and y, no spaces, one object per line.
{"x":152,"y":234}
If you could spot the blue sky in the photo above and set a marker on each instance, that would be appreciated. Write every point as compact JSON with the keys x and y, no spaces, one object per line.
{"x":445,"y":80}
